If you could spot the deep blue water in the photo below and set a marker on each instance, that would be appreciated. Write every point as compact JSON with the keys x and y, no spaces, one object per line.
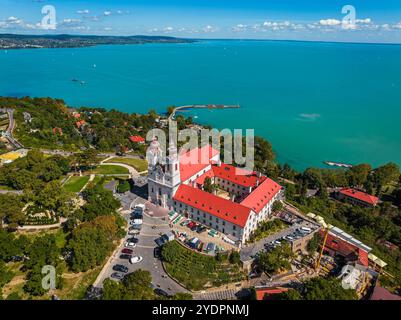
{"x":313,"y":101}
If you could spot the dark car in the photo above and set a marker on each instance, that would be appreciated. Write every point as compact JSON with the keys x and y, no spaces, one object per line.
{"x":161,"y":292}
{"x":125,"y":256}
{"x":160,"y":241}
{"x":121,"y":268}
{"x":135,"y":227}
{"x":157,"y":252}
{"x":127,"y":251}
{"x":117,"y":276}
{"x":200,"y":229}
{"x":134,"y":240}
{"x":136,"y":215}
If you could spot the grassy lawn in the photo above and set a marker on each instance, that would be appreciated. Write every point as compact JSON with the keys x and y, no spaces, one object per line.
{"x":197,"y":271}
{"x":139,"y":164}
{"x":110,"y":170}
{"x":75,"y":285}
{"x":75,"y":184}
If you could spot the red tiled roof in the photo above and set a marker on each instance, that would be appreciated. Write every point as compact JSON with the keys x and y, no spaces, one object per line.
{"x":79,"y":124}
{"x":361,"y":196}
{"x":137,"y":139}
{"x":345,"y":248}
{"x":212,"y":204}
{"x":195,"y":160}
{"x":259,"y":197}
{"x":236,"y":175}
{"x":379,"y":293}
{"x":77,"y":115}
{"x":264,"y":293}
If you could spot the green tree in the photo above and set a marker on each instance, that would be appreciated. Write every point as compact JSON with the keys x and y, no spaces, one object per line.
{"x":138,"y":284}
{"x":291,"y":294}
{"x":358,"y":175}
{"x":276,"y":259}
{"x":235,"y":257}
{"x":327,"y":289}
{"x":277,"y":206}
{"x":383,"y":175}
{"x":208,"y":186}
{"x":313,"y":243}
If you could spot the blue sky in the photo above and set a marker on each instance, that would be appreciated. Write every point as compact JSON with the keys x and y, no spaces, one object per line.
{"x":376,"y":21}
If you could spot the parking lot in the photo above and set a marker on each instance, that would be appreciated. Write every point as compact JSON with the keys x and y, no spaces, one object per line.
{"x":250,"y":251}
{"x":152,"y":228}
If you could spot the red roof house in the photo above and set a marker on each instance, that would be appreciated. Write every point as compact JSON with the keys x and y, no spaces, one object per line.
{"x":219,"y":207}
{"x":137,"y":139}
{"x":357,"y":197}
{"x":80,"y":123}
{"x":267,"y":293}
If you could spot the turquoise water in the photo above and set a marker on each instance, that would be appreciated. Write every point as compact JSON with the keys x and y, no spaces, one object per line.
{"x":313,"y":101}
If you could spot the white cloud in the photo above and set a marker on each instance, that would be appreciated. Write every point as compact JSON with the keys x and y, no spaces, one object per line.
{"x":209,"y":29}
{"x":239,"y":27}
{"x":330,"y":22}
{"x":107,"y":13}
{"x":86,"y":11}
{"x":364,"y":21}
{"x":168,"y":29}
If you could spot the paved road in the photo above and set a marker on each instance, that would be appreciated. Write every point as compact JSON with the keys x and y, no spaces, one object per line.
{"x":145,"y":248}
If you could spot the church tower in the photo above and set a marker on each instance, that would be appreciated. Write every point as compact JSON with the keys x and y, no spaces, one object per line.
{"x":163,"y":174}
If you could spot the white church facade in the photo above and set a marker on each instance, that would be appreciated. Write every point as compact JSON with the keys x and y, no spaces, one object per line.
{"x":176,"y":182}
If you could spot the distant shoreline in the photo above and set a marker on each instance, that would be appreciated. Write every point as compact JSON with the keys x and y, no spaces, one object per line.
{"x":143,"y":39}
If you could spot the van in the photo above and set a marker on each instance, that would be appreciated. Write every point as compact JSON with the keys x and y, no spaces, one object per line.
{"x":305,"y":229}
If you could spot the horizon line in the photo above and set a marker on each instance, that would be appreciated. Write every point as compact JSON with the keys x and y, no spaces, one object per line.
{"x":206,"y":39}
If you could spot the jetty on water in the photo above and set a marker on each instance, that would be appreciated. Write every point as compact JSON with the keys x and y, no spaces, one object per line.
{"x":202,"y":106}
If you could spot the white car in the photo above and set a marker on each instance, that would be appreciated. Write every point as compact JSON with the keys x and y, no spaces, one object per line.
{"x":130,"y":244}
{"x":136,"y":221}
{"x":135,"y":259}
{"x":133,"y":232}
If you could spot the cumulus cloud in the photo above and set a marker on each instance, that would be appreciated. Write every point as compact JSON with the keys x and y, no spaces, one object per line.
{"x":209,"y":29}
{"x":86,"y":11}
{"x":168,"y":29}
{"x":107,"y":13}
{"x":330,"y":22}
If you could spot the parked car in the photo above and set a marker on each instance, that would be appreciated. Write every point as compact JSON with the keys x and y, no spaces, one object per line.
{"x":200,"y":229}
{"x":191,"y":224}
{"x":121,"y":268}
{"x":117,"y":276}
{"x":125,"y":256}
{"x":133,"y":232}
{"x":161,"y":292}
{"x":133,"y":239}
{"x":127,"y":251}
{"x":135,"y":227}
{"x":135,"y":259}
{"x":136,"y":221}
{"x":157,"y":252}
{"x":130,"y":244}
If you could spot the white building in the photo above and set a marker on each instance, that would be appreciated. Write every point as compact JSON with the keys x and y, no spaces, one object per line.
{"x":176,"y":182}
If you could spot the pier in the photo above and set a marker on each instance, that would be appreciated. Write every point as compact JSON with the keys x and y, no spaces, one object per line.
{"x":202,"y":106}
